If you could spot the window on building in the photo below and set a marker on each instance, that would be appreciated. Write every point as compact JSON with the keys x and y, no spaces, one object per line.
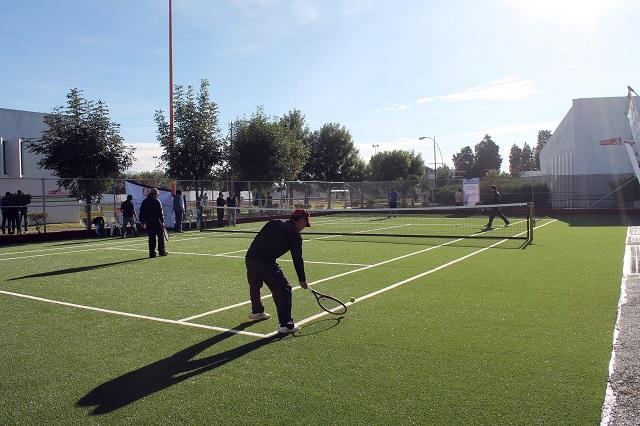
{"x":4,"y":156}
{"x":21,"y":147}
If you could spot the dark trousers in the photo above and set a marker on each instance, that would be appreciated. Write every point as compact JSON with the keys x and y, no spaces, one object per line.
{"x":178,"y":225}
{"x":5,"y":220}
{"x":220,"y":216}
{"x":496,"y":212}
{"x":271,"y":274}
{"x":23,"y":219}
{"x":155,"y":232}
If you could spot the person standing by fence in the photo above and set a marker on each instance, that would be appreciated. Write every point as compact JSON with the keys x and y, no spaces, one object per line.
{"x":232,"y":203}
{"x":178,"y":210}
{"x":220,"y":202}
{"x":128,"y":212}
{"x":5,"y":202}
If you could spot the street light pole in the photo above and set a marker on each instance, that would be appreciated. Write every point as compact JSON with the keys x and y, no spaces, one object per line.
{"x":435,"y":165}
{"x":374,"y":148}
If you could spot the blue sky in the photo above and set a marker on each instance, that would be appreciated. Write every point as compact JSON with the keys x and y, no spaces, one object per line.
{"x":390,"y":71}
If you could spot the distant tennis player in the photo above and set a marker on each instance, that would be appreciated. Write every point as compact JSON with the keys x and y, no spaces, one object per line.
{"x":275,"y":239}
{"x":495,"y":211}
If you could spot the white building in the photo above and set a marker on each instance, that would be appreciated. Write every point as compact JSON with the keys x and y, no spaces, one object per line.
{"x":586,"y":155}
{"x":19,"y":168}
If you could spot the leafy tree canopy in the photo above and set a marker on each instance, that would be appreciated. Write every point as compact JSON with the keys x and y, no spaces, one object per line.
{"x":263,"y":149}
{"x":83,"y":147}
{"x":487,"y":155}
{"x":333,"y":156}
{"x":197,"y":150}
{"x":395,"y":165}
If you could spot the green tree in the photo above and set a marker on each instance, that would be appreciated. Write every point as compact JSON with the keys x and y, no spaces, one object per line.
{"x":197,"y":151}
{"x":515,"y":160}
{"x":83,"y":147}
{"x":528,"y":159}
{"x":395,"y":165}
{"x":543,"y":138}
{"x":487,"y":154}
{"x":262,"y":149}
{"x":333,"y":156}
{"x":464,"y":162}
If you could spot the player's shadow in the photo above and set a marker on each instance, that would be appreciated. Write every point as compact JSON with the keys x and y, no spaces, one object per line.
{"x":76,"y":269}
{"x":166,"y":372}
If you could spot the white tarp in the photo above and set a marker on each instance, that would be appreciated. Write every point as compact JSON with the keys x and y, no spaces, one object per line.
{"x":471,"y":191}
{"x":633,"y":114}
{"x":139,"y":193}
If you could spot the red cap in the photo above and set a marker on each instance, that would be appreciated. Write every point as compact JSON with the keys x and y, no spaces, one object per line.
{"x":301,"y":213}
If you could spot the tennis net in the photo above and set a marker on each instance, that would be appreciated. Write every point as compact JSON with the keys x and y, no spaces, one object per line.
{"x":450,"y":221}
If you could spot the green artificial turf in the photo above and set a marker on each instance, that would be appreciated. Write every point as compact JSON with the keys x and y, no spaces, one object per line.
{"x":506,"y":336}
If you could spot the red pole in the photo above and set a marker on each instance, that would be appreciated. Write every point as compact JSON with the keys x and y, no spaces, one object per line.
{"x":170,"y":79}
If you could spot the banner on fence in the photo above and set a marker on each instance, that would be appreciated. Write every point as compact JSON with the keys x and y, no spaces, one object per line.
{"x":471,"y":191}
{"x":139,"y":193}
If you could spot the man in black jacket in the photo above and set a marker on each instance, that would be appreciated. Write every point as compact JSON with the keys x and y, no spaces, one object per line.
{"x":152,"y":217}
{"x":495,"y":211}
{"x":275,"y":239}
{"x":128,"y":211}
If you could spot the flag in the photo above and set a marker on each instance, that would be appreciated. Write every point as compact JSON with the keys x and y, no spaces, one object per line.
{"x":613,"y":141}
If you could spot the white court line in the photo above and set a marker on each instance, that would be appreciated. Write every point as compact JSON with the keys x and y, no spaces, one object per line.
{"x":247,"y":302}
{"x":225,"y":308}
{"x":86,"y":247}
{"x":415,"y":277}
{"x":240,"y":257}
{"x":130,"y":315}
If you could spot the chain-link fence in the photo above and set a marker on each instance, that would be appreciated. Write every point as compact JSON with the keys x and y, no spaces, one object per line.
{"x":51,"y":206}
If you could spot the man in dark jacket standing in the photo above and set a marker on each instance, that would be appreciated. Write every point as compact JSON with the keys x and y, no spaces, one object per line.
{"x":178,"y":210}
{"x":275,"y":239}
{"x":152,"y":217}
{"x":128,"y":211}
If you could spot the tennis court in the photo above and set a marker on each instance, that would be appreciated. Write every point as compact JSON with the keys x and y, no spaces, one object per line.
{"x":443,"y":330}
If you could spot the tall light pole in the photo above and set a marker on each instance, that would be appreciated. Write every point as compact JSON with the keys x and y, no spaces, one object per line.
{"x":374,"y":148}
{"x":435,"y":158}
{"x":155,"y":162}
{"x":170,"y":81}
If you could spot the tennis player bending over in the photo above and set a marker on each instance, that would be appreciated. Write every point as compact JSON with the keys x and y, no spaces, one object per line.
{"x":275,"y":239}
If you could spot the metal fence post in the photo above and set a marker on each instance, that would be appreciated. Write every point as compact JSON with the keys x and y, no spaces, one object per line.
{"x":44,"y":207}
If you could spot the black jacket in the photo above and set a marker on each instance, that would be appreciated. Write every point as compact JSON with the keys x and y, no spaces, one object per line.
{"x":275,"y":239}
{"x":151,"y":212}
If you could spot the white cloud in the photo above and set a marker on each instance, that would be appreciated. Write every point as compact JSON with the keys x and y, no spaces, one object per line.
{"x":505,"y":130}
{"x":394,"y":108}
{"x":144,"y":156}
{"x":509,"y":88}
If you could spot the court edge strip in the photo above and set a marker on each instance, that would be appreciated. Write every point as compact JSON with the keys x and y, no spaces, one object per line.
{"x":610,"y":400}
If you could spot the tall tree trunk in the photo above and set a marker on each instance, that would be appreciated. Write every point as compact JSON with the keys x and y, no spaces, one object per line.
{"x":87,"y":211}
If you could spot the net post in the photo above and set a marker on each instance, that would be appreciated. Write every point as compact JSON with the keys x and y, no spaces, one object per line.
{"x":530,"y":221}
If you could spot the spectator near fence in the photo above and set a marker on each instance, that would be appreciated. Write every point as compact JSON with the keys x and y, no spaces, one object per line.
{"x":232,"y":203}
{"x":4,"y":202}
{"x":128,"y":216}
{"x":178,"y":210}
{"x":220,"y":203}
{"x":23,"y":200}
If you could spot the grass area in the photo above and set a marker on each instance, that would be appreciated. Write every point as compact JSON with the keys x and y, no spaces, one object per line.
{"x":505,"y":336}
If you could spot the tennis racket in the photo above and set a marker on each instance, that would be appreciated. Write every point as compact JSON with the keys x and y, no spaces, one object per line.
{"x":329,"y":303}
{"x":165,"y":233}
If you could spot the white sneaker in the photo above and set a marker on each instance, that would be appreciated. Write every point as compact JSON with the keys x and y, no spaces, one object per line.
{"x":259,"y":316}
{"x":284,"y":329}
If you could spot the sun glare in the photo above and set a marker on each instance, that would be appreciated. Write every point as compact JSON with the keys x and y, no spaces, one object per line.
{"x":566,"y":10}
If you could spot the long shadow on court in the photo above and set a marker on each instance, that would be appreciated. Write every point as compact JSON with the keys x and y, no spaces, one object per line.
{"x":155,"y":377}
{"x":166,"y":372}
{"x":75,"y":270}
